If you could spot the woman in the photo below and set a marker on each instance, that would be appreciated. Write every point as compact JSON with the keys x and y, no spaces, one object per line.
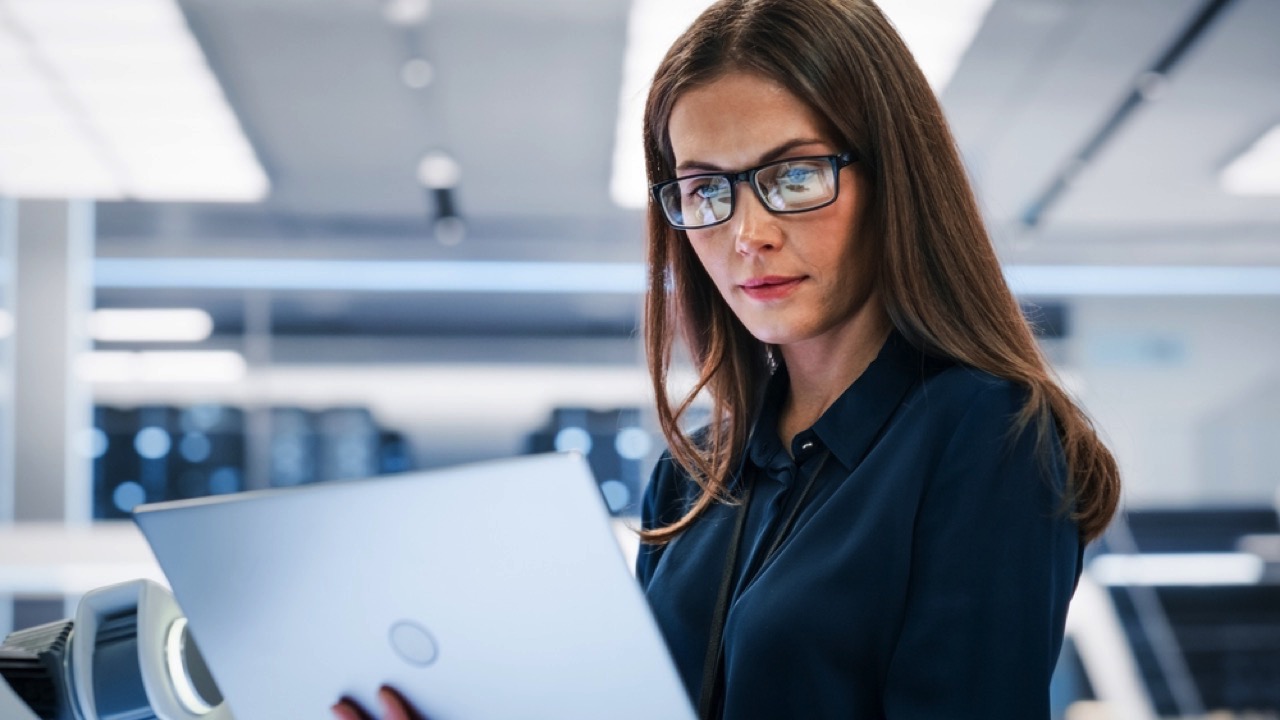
{"x":886,"y":514}
{"x":897,"y":531}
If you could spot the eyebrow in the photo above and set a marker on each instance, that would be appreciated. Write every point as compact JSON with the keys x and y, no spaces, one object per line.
{"x":769,"y":156}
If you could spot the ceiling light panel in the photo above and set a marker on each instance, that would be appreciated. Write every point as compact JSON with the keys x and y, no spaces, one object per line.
{"x":1178,"y":569}
{"x":167,"y":366}
{"x":1257,"y":170}
{"x":116,"y":100}
{"x":148,"y":325}
{"x":938,"y":33}
{"x":44,"y":150}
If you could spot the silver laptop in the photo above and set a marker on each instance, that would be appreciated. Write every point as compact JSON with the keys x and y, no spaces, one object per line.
{"x":493,"y":591}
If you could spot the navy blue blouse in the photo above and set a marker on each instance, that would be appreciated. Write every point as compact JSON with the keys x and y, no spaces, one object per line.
{"x":926,"y":576}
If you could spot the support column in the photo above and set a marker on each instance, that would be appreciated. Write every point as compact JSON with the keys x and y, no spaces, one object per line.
{"x":8,"y":259}
{"x":52,"y":406}
{"x":50,"y":288}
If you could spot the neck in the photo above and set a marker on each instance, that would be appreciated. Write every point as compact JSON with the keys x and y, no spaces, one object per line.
{"x":821,"y":369}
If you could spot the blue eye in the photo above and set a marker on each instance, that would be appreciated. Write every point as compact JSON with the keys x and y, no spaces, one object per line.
{"x":797,"y":175}
{"x":706,"y":191}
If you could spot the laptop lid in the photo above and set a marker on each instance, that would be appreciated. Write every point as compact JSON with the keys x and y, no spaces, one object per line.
{"x":493,"y":591}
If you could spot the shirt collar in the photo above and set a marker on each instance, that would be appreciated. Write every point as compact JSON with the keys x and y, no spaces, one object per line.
{"x":855,"y":419}
{"x":765,"y":447}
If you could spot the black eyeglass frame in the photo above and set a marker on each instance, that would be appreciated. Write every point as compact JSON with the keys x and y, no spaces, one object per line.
{"x":838,"y":163}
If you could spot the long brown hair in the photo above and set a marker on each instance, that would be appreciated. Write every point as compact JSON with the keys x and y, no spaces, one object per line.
{"x":938,"y":274}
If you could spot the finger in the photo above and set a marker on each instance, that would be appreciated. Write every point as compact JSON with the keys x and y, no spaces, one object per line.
{"x":348,"y":709}
{"x":396,"y":707}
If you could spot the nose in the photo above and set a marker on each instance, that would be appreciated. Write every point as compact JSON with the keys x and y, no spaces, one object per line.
{"x":755,"y":229}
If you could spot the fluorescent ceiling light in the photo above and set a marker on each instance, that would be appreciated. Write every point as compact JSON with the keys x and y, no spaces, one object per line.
{"x":211,"y":366}
{"x":1257,"y":170}
{"x":373,"y":276}
{"x":180,"y":325}
{"x":621,"y":278}
{"x":1086,"y":280}
{"x":1170,"y":569}
{"x":115,"y":100}
{"x":937,"y":31}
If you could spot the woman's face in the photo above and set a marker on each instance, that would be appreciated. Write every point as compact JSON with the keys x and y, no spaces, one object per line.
{"x":789,"y":278}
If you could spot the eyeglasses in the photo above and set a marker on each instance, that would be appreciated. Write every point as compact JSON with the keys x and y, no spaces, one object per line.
{"x":794,"y":185}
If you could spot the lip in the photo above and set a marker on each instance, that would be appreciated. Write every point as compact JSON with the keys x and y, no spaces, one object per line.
{"x":771,"y":287}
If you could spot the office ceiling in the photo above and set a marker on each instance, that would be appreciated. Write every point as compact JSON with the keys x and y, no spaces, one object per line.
{"x":524,"y":95}
{"x":1043,"y":81}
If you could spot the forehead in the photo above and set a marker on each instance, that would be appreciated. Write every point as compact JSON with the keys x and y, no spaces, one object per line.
{"x":732,"y":120}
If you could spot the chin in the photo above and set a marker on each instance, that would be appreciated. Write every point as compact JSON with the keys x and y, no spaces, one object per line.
{"x":776,"y":333}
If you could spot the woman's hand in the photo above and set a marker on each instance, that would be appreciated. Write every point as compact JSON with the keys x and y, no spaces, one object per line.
{"x":394,"y":707}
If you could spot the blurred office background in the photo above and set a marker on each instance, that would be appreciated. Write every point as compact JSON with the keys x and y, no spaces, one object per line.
{"x":257,"y":243}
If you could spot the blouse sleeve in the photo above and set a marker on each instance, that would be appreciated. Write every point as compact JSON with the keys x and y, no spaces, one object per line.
{"x":993,"y":567}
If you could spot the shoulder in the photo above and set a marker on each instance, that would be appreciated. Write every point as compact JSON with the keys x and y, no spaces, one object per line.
{"x":944,"y":386}
{"x":982,"y":442}
{"x":975,"y":420}
{"x":959,"y":395}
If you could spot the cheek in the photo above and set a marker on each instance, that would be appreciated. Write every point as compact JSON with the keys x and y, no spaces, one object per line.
{"x":710,"y":261}
{"x":856,"y":250}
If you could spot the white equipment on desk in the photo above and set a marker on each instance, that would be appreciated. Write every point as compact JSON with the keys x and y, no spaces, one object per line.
{"x":126,"y":651}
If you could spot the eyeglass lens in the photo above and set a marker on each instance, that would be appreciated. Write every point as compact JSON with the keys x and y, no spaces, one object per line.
{"x":787,"y":186}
